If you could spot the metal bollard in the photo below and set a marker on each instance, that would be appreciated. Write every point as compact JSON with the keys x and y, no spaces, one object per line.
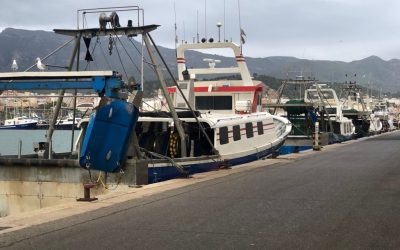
{"x":316,"y":145}
{"x":86,"y":192}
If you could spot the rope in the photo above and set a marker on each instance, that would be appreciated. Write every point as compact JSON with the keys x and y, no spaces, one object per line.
{"x":120,"y":60}
{"x":104,"y":55}
{"x":99,"y":179}
{"x":51,"y":53}
{"x":163,"y":105}
{"x":180,"y":168}
{"x":140,"y":53}
{"x":149,"y":64}
{"x":126,"y":51}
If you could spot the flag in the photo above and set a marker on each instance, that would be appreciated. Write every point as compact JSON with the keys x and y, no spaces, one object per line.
{"x":242,"y":36}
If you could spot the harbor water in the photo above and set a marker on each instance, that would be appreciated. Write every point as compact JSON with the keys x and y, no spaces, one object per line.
{"x":9,"y":140}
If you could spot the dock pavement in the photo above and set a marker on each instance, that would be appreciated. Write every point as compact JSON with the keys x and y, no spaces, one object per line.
{"x":346,"y":196}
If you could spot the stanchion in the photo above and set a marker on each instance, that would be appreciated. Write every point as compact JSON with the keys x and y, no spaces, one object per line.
{"x":316,"y":145}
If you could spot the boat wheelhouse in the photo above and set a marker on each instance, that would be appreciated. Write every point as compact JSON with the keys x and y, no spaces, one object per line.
{"x":224,"y":96}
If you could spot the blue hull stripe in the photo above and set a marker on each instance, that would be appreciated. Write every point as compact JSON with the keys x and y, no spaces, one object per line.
{"x":19,"y":126}
{"x":157,"y":174}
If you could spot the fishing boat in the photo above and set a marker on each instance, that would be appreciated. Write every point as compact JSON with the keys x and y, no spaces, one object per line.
{"x":381,"y":112}
{"x":209,"y":124}
{"x":290,"y":104}
{"x":312,"y":107}
{"x":376,"y":125}
{"x":220,"y":120}
{"x":355,"y":108}
{"x":330,"y":112}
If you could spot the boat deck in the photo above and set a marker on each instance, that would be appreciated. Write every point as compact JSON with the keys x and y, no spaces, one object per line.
{"x":345,"y":197}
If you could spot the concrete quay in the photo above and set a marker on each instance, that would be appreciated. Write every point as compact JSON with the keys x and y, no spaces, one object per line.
{"x":345,"y":197}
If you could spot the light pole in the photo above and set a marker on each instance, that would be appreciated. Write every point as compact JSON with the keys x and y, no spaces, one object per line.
{"x":219,"y":24}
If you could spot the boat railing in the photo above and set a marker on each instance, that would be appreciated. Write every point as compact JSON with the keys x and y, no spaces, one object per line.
{"x":280,"y":127}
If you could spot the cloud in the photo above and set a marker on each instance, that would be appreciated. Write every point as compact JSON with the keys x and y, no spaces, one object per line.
{"x":313,"y":29}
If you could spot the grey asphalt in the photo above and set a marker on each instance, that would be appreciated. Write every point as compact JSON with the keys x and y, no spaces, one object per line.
{"x":347,"y":198}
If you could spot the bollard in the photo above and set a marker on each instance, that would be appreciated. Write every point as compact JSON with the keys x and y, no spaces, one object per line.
{"x":316,"y":145}
{"x":86,"y":192}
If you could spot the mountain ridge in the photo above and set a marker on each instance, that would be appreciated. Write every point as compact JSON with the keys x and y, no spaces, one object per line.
{"x":26,"y":45}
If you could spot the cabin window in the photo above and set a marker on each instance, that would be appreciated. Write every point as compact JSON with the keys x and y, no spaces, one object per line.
{"x":223,"y":135}
{"x":249,"y":130}
{"x":214,"y":102}
{"x":236,"y":132}
{"x":260,"y":128}
{"x":331,"y":110}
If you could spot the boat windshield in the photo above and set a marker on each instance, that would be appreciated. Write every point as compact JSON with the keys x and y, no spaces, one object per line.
{"x":325,"y":94}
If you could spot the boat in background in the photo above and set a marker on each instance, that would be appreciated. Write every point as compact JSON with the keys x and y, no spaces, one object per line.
{"x":356,"y":109}
{"x":21,"y":122}
{"x":381,"y":112}
{"x":376,"y":125}
{"x":316,"y":110}
{"x":67,"y":123}
{"x":330,"y":112}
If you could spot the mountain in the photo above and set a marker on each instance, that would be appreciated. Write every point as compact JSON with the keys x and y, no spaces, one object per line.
{"x":26,"y":45}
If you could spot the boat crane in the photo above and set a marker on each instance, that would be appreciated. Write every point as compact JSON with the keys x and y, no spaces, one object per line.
{"x":110,"y":126}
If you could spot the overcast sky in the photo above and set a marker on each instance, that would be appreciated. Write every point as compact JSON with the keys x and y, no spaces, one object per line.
{"x":344,"y":30}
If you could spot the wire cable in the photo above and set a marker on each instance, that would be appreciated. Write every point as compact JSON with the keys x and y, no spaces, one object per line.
{"x":120,"y":60}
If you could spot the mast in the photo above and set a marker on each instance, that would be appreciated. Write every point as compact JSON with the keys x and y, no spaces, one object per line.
{"x":176,"y":28}
{"x":205,"y":19}
{"x":197,"y":30}
{"x":224,"y":20}
{"x":177,"y":122}
{"x":240,"y":29}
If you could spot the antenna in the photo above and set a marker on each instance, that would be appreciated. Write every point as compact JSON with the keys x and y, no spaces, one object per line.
{"x":184,"y":31}
{"x":176,"y":28}
{"x":224,"y":21}
{"x":240,"y":29}
{"x":205,"y":18}
{"x":197,"y":35}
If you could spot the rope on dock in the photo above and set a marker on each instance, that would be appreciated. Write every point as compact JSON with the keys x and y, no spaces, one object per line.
{"x":180,"y":168}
